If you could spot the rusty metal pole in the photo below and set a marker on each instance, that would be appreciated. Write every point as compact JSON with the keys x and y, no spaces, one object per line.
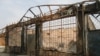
{"x":26,"y":40}
{"x":86,"y":34}
{"x":22,"y":39}
{"x":80,"y":18}
{"x":38,"y":38}
{"x":7,"y":39}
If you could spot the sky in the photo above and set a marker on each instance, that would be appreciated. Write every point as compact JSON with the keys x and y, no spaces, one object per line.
{"x":12,"y":10}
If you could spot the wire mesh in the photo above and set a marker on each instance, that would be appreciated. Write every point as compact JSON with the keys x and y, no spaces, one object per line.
{"x":31,"y":39}
{"x":59,"y":37}
{"x":14,"y":41}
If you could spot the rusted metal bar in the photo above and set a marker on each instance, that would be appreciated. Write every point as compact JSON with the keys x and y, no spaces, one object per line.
{"x":86,"y":35}
{"x":33,"y":13}
{"x":82,"y":31}
{"x":27,"y":17}
{"x":42,"y":19}
{"x":37,"y":39}
{"x":89,"y":9}
{"x":50,"y":10}
{"x":22,"y":39}
{"x":7,"y":39}
{"x":35,"y":19}
{"x":41,"y":11}
{"x":80,"y":16}
{"x":23,"y":16}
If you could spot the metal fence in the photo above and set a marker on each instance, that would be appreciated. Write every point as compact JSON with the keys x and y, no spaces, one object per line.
{"x":59,"y":36}
{"x":61,"y":32}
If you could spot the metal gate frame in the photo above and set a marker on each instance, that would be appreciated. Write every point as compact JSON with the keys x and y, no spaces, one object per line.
{"x":80,"y":12}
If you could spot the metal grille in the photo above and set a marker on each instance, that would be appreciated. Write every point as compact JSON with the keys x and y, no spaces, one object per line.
{"x":15,"y":40}
{"x":59,"y":37}
{"x":53,"y":37}
{"x":31,"y":39}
